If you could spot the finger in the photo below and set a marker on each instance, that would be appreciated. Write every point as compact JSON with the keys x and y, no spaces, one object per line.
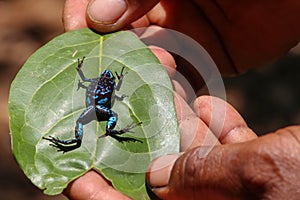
{"x":179,"y":90}
{"x":193,"y":132}
{"x":165,"y":58}
{"x":74,"y":16}
{"x":224,"y":121}
{"x":92,"y":186}
{"x":111,"y":15}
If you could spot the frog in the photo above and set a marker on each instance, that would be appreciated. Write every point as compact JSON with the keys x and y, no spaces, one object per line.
{"x":99,"y":99}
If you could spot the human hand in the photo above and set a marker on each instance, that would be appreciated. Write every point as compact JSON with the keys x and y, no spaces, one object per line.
{"x":242,"y":167}
{"x":237,"y":34}
{"x":237,"y":166}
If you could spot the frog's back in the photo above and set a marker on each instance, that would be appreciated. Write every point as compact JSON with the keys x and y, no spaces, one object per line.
{"x":100,"y":91}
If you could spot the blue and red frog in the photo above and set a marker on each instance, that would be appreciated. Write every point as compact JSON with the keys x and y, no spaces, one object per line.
{"x":100,"y":97}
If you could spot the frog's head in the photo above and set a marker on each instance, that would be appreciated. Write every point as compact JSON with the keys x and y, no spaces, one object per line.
{"x":107,"y":74}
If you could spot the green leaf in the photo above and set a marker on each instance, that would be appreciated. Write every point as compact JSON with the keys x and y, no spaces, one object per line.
{"x":44,"y":101}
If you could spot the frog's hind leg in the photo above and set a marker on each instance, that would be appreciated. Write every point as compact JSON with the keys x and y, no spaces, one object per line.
{"x":68,"y":145}
{"x":112,"y":119}
{"x":115,"y":134}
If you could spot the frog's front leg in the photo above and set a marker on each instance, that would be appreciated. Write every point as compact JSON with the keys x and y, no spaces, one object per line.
{"x":74,"y":143}
{"x":120,"y":78}
{"x":120,"y":98}
{"x":82,"y":76}
{"x":80,"y":85}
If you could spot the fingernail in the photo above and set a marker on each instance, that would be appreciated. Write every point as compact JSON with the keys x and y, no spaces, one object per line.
{"x":106,"y":11}
{"x":159,"y":171}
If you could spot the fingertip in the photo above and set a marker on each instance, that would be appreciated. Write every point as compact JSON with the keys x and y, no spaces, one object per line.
{"x":92,"y":186}
{"x":87,"y":184}
{"x":224,"y":121}
{"x":112,"y":15}
{"x":158,"y":175}
{"x":105,"y":13}
{"x":159,"y":171}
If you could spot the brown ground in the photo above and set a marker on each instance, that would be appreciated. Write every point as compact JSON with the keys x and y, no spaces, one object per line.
{"x":268,"y":98}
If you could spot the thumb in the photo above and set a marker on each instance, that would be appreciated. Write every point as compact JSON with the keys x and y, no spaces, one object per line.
{"x":196,"y":174}
{"x":262,"y":168}
{"x":111,"y":15}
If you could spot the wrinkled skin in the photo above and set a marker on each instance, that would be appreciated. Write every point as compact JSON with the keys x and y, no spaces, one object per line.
{"x":239,"y":35}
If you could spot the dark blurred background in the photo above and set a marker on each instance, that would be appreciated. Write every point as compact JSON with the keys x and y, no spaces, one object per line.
{"x":268,"y":98}
{"x":25,"y":25}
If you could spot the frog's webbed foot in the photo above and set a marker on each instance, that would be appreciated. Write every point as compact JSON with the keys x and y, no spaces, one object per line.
{"x":80,"y":63}
{"x":121,"y":76}
{"x":115,"y":133}
{"x":63,"y":145}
